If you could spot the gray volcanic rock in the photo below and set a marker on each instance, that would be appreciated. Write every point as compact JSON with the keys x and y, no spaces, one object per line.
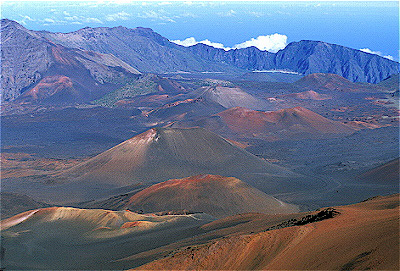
{"x":24,"y":56}
{"x":249,"y":58}
{"x":42,"y":69}
{"x":141,"y":47}
{"x":150,"y":52}
{"x":309,"y":57}
{"x":306,"y":57}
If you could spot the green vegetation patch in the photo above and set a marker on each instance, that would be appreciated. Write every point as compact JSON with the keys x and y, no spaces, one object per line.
{"x":143,"y":85}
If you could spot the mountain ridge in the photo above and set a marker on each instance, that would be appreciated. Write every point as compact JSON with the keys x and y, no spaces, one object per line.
{"x":28,"y":58}
{"x":148,"y":51}
{"x":315,"y":57}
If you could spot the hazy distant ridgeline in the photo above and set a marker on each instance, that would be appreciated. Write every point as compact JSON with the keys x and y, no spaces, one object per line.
{"x":161,"y":55}
{"x":41,"y":53}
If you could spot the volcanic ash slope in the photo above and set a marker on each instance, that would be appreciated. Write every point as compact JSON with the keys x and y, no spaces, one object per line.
{"x":161,"y":154}
{"x":80,"y":239}
{"x":358,"y":237}
{"x":216,"y":195}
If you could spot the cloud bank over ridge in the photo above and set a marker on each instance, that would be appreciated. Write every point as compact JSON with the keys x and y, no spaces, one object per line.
{"x":271,"y":43}
{"x":379,"y":53}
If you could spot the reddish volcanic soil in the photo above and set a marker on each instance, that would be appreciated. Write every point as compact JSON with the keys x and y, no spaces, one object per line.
{"x":216,"y":195}
{"x":333,"y":82}
{"x":281,"y":124}
{"x":308,"y":95}
{"x":50,"y":85}
{"x":362,"y":236}
{"x":175,"y":153}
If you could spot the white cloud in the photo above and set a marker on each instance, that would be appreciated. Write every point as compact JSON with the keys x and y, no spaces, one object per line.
{"x":229,"y":13}
{"x":81,"y":19}
{"x":256,"y":14}
{"x":25,"y":19}
{"x":48,"y":20}
{"x":379,"y":53}
{"x":93,"y":20}
{"x":271,"y":43}
{"x":156,"y":16}
{"x":188,"y":14}
{"x":192,"y":41}
{"x":72,"y":18}
{"x":118,"y":16}
{"x":164,"y":3}
{"x":215,"y":44}
{"x":186,"y":42}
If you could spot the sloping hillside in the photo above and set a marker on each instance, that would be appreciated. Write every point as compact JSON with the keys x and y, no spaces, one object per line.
{"x":44,"y":71}
{"x":175,"y":153}
{"x":286,"y":124}
{"x":79,"y":239}
{"x":360,"y":236}
{"x":216,"y":195}
{"x":387,"y":173}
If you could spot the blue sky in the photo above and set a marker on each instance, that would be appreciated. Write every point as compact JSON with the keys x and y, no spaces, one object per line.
{"x":372,"y":26}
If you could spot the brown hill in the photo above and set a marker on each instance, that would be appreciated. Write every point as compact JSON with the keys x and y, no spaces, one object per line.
{"x":285,"y":124}
{"x":78,"y":76}
{"x":216,"y":195}
{"x":387,"y":173}
{"x":154,"y":156}
{"x":184,"y":109}
{"x":334,"y":82}
{"x":173,"y":152}
{"x":361,"y":236}
{"x":206,"y":101}
{"x":80,"y":239}
{"x":308,"y":95}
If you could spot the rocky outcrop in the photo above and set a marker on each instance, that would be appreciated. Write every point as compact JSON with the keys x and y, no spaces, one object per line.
{"x":24,"y":57}
{"x":29,"y":62}
{"x":309,"y":57}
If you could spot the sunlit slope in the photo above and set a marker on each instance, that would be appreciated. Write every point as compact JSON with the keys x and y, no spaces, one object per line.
{"x":216,"y":195}
{"x":69,"y":238}
{"x":290,"y":123}
{"x":164,"y":153}
{"x":362,"y":236}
